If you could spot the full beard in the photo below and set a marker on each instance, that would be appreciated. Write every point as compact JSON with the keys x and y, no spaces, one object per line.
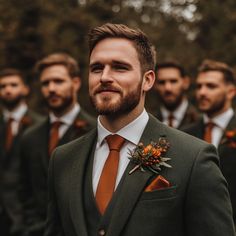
{"x":123,"y":106}
{"x":11,"y":104}
{"x":60,"y":109}
{"x":171,"y":106}
{"x":215,"y":108}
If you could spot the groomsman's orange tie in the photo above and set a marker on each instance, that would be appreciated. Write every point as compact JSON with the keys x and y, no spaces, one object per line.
{"x":9,"y":134}
{"x":170,"y":119}
{"x":107,"y":180}
{"x":208,"y":132}
{"x":54,"y":136}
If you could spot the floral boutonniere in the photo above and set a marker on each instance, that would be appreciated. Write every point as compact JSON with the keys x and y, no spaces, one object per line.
{"x":150,"y":157}
{"x":80,"y":124}
{"x":230,"y":138}
{"x":26,"y":120}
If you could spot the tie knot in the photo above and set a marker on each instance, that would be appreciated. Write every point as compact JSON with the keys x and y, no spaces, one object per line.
{"x":115,"y":142}
{"x":210,"y":124}
{"x":10,"y":119}
{"x":56,"y":124}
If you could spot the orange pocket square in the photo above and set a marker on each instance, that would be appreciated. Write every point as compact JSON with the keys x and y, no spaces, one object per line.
{"x":158,"y":183}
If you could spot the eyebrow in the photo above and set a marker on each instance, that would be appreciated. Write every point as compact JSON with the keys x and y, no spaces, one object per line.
{"x":114,"y":62}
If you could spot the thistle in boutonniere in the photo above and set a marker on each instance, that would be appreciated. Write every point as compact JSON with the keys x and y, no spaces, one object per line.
{"x":80,"y":124}
{"x":230,"y":138}
{"x":150,"y":157}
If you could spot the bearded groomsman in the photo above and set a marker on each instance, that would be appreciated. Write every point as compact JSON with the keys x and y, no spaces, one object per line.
{"x":15,"y":118}
{"x":215,"y":90}
{"x":60,"y":82}
{"x":171,"y":86}
{"x":133,"y":175}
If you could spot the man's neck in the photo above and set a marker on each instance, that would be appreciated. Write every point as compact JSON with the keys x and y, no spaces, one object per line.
{"x":13,"y":109}
{"x":59,"y":114}
{"x":116,"y":122}
{"x":217,"y":113}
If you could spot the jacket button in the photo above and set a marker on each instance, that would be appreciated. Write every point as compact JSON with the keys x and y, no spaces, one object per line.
{"x":101,"y":232}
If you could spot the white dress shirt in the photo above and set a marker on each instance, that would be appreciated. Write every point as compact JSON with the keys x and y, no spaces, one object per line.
{"x":67,"y":119}
{"x":221,"y":122}
{"x":131,"y":132}
{"x":16,"y":115}
{"x":177,"y":113}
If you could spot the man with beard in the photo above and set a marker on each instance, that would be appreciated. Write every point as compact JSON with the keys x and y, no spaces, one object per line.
{"x":215,"y":90}
{"x":59,"y":77}
{"x":171,"y":85}
{"x":14,"y":120}
{"x":95,"y":189}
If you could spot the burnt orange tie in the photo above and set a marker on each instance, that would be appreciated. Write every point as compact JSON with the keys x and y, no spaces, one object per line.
{"x":9,"y":134}
{"x":208,"y":131}
{"x":54,"y":136}
{"x":107,"y":180}
{"x":170,"y":119}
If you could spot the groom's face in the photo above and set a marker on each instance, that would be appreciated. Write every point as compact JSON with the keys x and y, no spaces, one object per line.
{"x":115,"y":78}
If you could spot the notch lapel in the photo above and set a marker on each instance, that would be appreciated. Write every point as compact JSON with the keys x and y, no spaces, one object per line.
{"x":132,"y":185}
{"x":42,"y":142}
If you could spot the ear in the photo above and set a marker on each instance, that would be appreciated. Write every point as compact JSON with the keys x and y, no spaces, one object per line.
{"x":26,"y":90}
{"x":148,"y":80}
{"x":231,"y":91}
{"x":186,"y":83}
{"x":76,"y":83}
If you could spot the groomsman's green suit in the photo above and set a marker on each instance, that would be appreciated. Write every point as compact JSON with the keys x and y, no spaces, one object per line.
{"x":35,"y":159}
{"x":196,"y":204}
{"x":227,"y":156}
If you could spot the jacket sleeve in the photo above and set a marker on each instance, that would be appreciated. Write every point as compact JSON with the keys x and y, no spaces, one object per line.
{"x":208,"y":209}
{"x":53,"y":222}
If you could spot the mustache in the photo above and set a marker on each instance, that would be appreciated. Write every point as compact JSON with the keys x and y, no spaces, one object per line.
{"x":52,"y":95}
{"x":104,"y":88}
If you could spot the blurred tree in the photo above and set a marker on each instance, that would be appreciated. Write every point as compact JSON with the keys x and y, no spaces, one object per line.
{"x":187,"y":30}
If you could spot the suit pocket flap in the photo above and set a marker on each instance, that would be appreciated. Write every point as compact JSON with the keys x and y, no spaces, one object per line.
{"x":164,"y":193}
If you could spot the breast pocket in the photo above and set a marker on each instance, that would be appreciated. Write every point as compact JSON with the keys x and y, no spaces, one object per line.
{"x":161,"y":194}
{"x":158,"y":204}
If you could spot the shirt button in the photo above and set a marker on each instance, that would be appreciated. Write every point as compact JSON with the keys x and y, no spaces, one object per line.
{"x":101,"y":232}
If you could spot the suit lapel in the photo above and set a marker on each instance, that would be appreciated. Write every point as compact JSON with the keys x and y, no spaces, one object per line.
{"x":42,"y":142}
{"x":132,"y":185}
{"x":230,"y":126}
{"x":81,"y":156}
{"x":74,"y":131}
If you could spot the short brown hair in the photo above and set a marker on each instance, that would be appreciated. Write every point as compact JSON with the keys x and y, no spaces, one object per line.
{"x":140,"y":40}
{"x":58,"y":59}
{"x":172,"y":64}
{"x":12,"y":72}
{"x":226,"y":70}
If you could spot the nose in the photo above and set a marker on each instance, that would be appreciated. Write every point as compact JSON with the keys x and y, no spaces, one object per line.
{"x":8,"y":89}
{"x":168,"y":86}
{"x":106,"y":75}
{"x":51,"y":86}
{"x":201,"y":90}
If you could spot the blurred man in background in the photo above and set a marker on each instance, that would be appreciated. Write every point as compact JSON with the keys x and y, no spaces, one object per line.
{"x":171,"y":85}
{"x":215,"y":90}
{"x":59,"y":77}
{"x":16,"y":117}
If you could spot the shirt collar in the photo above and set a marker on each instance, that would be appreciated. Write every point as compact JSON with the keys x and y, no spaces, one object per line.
{"x":131,"y":132}
{"x":221,"y":120}
{"x":17,"y":113}
{"x":67,"y":118}
{"x":178,"y":113}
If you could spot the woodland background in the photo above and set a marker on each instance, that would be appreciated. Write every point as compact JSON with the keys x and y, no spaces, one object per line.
{"x":186,"y":30}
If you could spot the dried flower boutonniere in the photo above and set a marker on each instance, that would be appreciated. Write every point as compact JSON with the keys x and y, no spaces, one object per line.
{"x":230,"y":138}
{"x":26,"y":120}
{"x":80,"y":124}
{"x":150,"y":157}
